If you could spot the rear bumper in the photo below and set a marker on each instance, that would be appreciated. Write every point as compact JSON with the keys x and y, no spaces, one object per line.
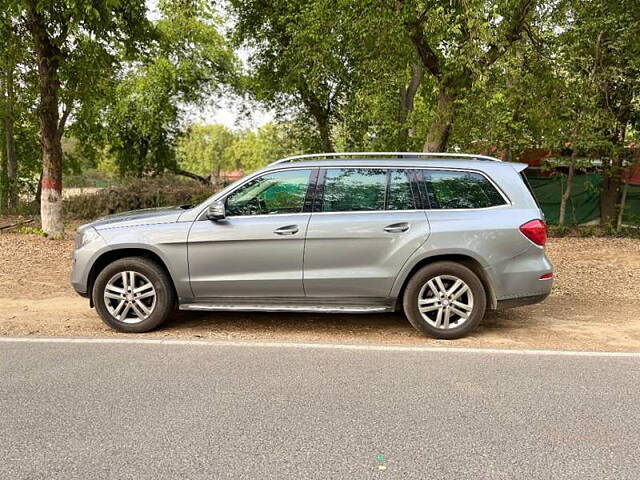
{"x":519,"y":302}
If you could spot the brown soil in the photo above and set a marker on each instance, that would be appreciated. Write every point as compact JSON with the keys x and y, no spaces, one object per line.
{"x":595,"y":305}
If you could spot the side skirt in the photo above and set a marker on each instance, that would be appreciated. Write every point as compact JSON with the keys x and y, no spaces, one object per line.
{"x":305,"y":304}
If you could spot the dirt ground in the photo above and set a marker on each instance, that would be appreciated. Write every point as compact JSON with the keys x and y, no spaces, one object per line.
{"x":595,"y":305}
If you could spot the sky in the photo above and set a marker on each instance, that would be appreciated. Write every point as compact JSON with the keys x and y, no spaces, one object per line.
{"x":227,"y":111}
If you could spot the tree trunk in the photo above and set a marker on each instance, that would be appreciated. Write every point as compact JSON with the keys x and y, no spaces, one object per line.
{"x":4,"y":182}
{"x":611,"y":177}
{"x":566,"y":195}
{"x":48,"y":56}
{"x":407,"y":96}
{"x":325,"y":134}
{"x":623,"y":204}
{"x":39,"y":188}
{"x":10,"y":141}
{"x":440,"y":128}
{"x":321,"y":113}
{"x":609,"y":197}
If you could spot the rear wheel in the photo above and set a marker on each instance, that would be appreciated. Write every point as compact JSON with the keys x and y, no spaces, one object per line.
{"x":133,"y":295}
{"x":445,"y":300}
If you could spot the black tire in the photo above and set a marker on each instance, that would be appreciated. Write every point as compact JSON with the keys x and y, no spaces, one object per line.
{"x":165,"y":298}
{"x":429,"y":272}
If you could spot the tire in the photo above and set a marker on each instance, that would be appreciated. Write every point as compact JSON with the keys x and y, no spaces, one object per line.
{"x":472,"y":302}
{"x":148,"y":308}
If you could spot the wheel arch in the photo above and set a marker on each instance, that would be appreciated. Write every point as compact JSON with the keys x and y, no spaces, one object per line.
{"x":467,"y":260}
{"x":111,"y":256}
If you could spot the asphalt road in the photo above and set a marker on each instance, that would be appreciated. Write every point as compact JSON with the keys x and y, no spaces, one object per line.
{"x":92,"y":411}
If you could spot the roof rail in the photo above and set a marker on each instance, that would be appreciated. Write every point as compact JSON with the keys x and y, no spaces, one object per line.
{"x":386,"y":154}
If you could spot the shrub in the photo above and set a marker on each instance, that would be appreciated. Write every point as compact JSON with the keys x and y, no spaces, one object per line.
{"x":558,"y":230}
{"x":135,"y":194}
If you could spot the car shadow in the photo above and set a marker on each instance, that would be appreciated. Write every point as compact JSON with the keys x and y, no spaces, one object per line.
{"x":387,"y":327}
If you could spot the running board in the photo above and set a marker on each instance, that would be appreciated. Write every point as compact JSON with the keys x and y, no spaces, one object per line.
{"x":208,"y":307}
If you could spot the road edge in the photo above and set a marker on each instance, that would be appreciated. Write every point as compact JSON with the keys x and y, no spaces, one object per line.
{"x":313,"y":345}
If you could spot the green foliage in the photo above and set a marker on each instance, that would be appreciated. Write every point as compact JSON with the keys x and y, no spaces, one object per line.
{"x":17,"y":102}
{"x":210,"y":150}
{"x":558,"y":230}
{"x":136,"y":193}
{"x":253,"y":150}
{"x":188,"y":64}
{"x":315,"y":59}
{"x":516,"y":75}
{"x":588,"y":231}
{"x":32,"y":231}
{"x":205,"y":150}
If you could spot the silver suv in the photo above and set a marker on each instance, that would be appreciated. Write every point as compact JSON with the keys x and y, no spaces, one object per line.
{"x":442,"y":237}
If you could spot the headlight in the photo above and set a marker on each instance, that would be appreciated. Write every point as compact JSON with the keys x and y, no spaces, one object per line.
{"x":86,"y":236}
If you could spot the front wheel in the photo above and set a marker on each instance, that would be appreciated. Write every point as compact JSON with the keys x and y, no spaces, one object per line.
{"x":133,"y":295}
{"x":445,"y":300}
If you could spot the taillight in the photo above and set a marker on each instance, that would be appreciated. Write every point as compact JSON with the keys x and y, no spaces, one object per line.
{"x":536,"y":231}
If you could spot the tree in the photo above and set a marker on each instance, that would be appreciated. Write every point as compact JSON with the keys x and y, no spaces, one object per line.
{"x":301,"y":57}
{"x":457,"y":43}
{"x":56,"y":28}
{"x":189,"y":64}
{"x":204,"y":150}
{"x":255,"y":149}
{"x":10,"y":56}
{"x":605,"y":49}
{"x":20,"y":159}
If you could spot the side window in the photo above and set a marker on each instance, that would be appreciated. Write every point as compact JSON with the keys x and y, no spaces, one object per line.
{"x":270,"y":194}
{"x":399,"y":193}
{"x":354,"y":189}
{"x":449,"y":190}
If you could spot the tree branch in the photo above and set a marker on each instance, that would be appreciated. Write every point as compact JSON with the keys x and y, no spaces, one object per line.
{"x":65,"y":116}
{"x":514,"y":31}
{"x":194,"y":176}
{"x":427,"y":55}
{"x":412,"y":88}
{"x":429,"y":58}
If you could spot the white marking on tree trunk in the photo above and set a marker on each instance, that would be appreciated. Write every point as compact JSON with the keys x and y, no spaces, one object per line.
{"x":51,"y":212}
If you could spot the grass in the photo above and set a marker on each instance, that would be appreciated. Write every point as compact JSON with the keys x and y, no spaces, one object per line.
{"x":584,"y":231}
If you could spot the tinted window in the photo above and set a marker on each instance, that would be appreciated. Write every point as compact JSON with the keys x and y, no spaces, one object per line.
{"x":461,"y":190}
{"x":270,"y":194}
{"x":354,"y":189}
{"x":399,"y":196}
{"x":528,"y":185}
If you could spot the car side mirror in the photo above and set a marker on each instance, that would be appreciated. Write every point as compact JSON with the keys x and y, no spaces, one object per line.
{"x":216,"y":211}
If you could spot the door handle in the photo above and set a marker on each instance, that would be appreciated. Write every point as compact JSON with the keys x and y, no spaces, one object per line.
{"x":397,"y":227}
{"x":287,"y":230}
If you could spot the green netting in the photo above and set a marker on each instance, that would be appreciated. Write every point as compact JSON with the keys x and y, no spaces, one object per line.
{"x":632,"y":206}
{"x":584,"y":205}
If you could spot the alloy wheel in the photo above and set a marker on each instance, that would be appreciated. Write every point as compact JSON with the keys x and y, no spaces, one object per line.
{"x":445,"y":302}
{"x":130,"y":297}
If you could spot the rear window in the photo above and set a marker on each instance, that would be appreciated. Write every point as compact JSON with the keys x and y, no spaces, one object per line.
{"x":460,"y":190}
{"x":528,"y":185}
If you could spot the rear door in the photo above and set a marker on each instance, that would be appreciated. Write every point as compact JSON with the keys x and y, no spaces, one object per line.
{"x":365,"y":224}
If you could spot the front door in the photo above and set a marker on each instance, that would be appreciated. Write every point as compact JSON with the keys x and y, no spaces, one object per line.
{"x":362,"y":232}
{"x":257,"y":250}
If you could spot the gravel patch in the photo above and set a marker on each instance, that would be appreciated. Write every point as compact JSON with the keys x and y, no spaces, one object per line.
{"x":597,"y":285}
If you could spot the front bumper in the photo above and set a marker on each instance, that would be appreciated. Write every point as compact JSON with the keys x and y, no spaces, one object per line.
{"x":83,"y":259}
